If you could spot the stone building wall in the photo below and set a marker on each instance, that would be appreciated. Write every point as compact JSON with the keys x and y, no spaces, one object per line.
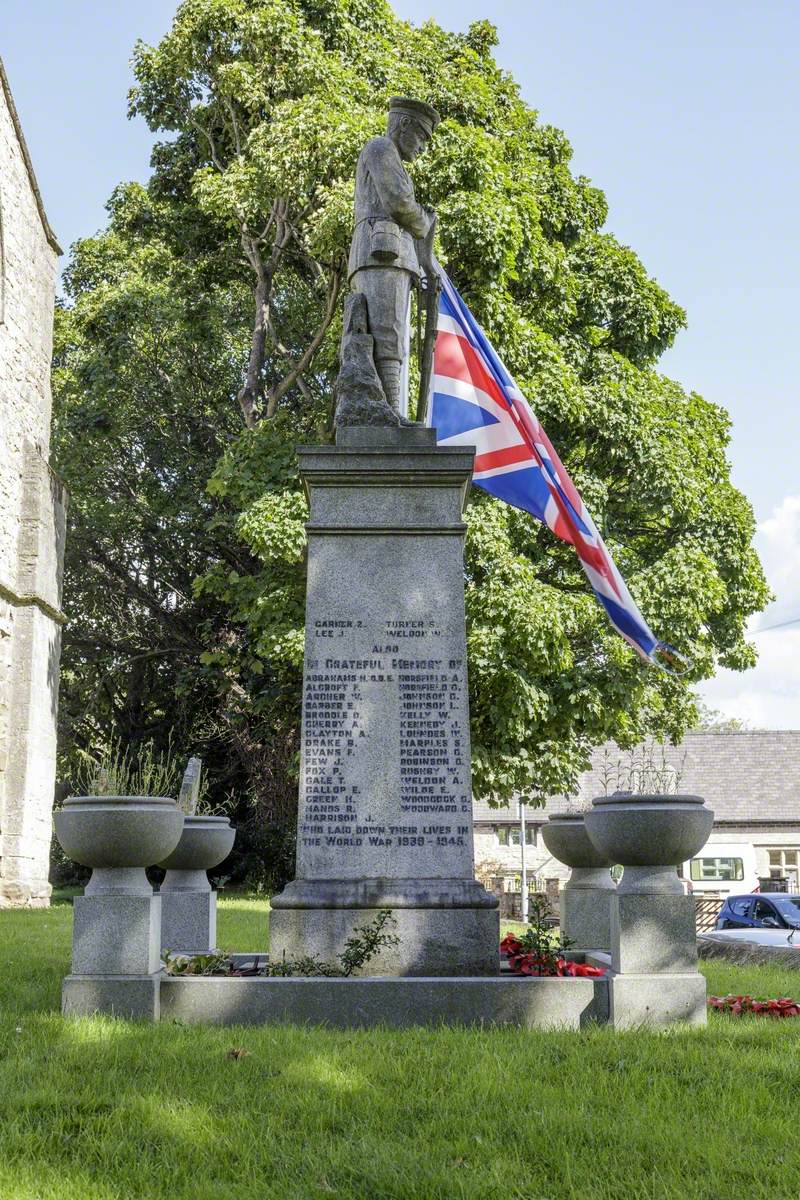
{"x":32,"y":520}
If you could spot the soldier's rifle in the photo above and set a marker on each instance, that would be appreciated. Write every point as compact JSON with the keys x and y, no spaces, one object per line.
{"x":432,"y":288}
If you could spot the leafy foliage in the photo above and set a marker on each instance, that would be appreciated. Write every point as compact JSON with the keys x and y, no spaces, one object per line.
{"x":541,"y":949}
{"x":199,"y":346}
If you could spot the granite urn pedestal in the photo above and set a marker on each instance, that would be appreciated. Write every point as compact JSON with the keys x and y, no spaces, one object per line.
{"x":188,"y":902}
{"x":653,"y":941}
{"x":116,"y":930}
{"x":585,"y":901}
{"x":385,"y":809}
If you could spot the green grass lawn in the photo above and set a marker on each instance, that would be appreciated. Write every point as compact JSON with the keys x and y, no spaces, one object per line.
{"x":105,"y":1110}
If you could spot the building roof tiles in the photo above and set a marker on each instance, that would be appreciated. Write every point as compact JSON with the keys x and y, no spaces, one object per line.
{"x":745,"y":777}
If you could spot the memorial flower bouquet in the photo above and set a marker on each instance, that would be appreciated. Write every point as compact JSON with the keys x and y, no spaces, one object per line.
{"x":541,"y":950}
{"x":737,"y":1006}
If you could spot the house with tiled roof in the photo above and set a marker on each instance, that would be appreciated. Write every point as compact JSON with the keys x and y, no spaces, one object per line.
{"x":750,"y":779}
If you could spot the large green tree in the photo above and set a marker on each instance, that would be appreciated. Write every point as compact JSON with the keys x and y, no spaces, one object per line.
{"x":199,"y":345}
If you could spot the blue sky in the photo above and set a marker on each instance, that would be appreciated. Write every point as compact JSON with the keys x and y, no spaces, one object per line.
{"x":686,"y":116}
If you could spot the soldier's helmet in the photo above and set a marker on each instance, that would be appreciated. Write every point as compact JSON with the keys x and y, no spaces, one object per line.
{"x":423,"y":113}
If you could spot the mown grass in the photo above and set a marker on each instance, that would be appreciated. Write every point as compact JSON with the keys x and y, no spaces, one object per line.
{"x":104,"y":1110}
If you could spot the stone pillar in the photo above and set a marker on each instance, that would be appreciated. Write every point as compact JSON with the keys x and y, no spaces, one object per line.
{"x":116,"y":928}
{"x":385,"y":810}
{"x":585,"y":906}
{"x":188,"y":902}
{"x":655,"y":978}
{"x":116,"y":947}
{"x":189,"y":913}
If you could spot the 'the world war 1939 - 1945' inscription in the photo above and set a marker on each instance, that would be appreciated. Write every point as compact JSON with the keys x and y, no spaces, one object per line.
{"x":385,"y":756}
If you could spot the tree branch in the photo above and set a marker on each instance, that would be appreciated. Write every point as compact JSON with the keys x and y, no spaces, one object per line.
{"x":249,"y":396}
{"x":285,"y":353}
{"x":311,"y":349}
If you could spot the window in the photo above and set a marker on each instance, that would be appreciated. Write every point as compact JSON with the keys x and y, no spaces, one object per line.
{"x":508,"y":835}
{"x":715,"y":870}
{"x":764,"y":909}
{"x":784,"y":863}
{"x":789,"y":908}
{"x":740,"y":906}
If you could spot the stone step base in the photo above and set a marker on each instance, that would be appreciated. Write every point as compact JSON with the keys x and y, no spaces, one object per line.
{"x":134,"y":997}
{"x":394,"y":1002}
{"x":623,"y":1001}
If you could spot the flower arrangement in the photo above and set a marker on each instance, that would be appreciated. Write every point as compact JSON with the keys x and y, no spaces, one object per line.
{"x":523,"y":962}
{"x":541,"y":951}
{"x":118,"y":772}
{"x":746,"y":1005}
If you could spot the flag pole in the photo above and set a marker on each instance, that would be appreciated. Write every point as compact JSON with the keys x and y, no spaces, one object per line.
{"x":524,"y":896}
{"x":432,"y":288}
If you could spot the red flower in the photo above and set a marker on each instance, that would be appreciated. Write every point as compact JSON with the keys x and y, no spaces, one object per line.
{"x":736,"y":1005}
{"x":578,"y":970}
{"x":588,"y":972}
{"x":510,"y":945}
{"x":531,"y":964}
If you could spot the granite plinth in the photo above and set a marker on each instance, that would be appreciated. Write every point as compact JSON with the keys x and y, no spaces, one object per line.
{"x":432,"y":941}
{"x":385,"y":808}
{"x":657,"y":1000}
{"x":371,"y":437}
{"x":188,"y":920}
{"x":116,"y":934}
{"x":133,"y":997}
{"x":396,"y":1003}
{"x":585,"y":915}
{"x":653,"y":934}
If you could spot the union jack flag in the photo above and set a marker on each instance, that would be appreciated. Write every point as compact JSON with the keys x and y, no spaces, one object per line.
{"x":475,"y":402}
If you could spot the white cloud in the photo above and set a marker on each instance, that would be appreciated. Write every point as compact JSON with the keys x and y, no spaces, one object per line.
{"x":769,"y":695}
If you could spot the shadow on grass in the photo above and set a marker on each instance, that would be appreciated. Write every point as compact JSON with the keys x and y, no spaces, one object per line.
{"x":112,"y":1109}
{"x":166,"y":1111}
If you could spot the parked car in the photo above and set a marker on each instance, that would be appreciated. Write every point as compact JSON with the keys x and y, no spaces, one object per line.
{"x":771,"y":910}
{"x":782,"y":938}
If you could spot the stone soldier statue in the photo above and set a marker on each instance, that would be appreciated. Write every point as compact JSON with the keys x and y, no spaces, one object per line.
{"x":392,"y":247}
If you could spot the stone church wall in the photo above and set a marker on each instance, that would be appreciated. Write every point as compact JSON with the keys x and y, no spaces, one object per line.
{"x":32,"y":520}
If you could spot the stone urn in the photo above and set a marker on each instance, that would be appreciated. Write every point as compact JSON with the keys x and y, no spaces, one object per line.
{"x":585,"y":900}
{"x":116,"y":925}
{"x":650,"y":836}
{"x":189,"y":905}
{"x":653,"y":939}
{"x":118,"y":836}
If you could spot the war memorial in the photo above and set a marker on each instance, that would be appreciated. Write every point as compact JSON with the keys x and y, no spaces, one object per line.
{"x":384,"y":820}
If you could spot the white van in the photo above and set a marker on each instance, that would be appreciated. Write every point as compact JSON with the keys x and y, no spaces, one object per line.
{"x":722,"y":869}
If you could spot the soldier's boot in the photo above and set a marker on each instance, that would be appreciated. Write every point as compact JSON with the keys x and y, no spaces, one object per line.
{"x":389,"y":374}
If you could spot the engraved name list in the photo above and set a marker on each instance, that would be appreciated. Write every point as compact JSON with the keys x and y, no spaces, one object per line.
{"x":385,"y":749}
